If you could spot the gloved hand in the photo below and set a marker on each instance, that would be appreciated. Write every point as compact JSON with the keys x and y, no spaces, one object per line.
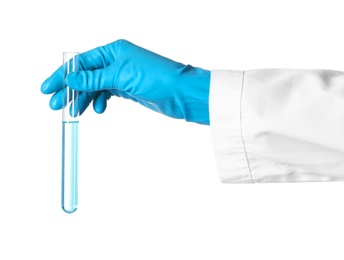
{"x":129,"y":71}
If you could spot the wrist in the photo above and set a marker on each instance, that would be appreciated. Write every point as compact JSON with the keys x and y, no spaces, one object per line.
{"x":195,"y":93}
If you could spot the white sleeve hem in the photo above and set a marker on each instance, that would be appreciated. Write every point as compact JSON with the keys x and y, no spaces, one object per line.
{"x":278,"y":125}
{"x":225,"y":119}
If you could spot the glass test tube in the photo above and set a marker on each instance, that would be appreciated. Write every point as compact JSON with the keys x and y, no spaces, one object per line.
{"x":70,"y":123}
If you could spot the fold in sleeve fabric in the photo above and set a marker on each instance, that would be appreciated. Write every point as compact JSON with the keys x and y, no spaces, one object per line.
{"x":278,"y":125}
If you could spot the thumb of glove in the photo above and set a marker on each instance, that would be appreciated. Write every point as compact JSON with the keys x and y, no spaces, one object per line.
{"x":92,"y":81}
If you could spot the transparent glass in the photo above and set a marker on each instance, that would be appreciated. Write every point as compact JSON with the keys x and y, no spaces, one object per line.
{"x":70,"y":131}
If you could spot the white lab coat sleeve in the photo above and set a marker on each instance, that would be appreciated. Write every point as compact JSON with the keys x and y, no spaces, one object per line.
{"x":278,"y":125}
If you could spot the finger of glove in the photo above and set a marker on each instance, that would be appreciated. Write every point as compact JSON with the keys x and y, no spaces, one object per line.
{"x":54,"y":83}
{"x":85,"y":99}
{"x":100,"y":101}
{"x":90,"y":81}
{"x":97,"y":58}
{"x":56,"y":101}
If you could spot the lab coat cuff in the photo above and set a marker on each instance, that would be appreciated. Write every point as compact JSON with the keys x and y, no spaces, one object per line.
{"x":225,"y":120}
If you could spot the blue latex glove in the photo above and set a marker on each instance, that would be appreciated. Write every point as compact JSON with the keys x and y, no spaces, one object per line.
{"x":129,"y":71}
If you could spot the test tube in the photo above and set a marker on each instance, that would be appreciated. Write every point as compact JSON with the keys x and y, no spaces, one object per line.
{"x":70,"y":124}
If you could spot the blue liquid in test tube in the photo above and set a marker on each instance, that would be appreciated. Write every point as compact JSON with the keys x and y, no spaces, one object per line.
{"x":70,"y":128}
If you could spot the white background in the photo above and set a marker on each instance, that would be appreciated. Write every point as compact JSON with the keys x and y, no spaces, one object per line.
{"x":149,"y":187}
